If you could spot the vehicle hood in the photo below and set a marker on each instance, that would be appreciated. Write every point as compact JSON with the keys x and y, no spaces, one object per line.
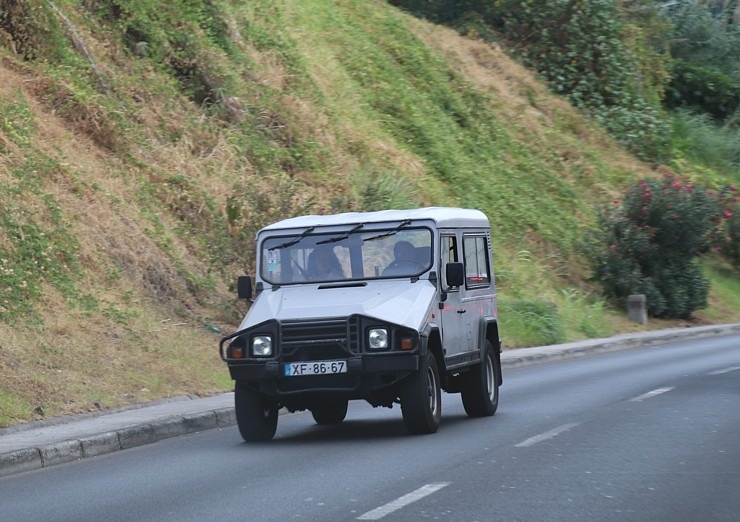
{"x":399,"y":302}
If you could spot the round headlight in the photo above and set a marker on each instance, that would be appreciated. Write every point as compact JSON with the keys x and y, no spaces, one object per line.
{"x":262,"y":346}
{"x":378,"y":339}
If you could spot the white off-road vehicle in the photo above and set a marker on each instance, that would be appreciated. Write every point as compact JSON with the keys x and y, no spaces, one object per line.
{"x":390,"y":307}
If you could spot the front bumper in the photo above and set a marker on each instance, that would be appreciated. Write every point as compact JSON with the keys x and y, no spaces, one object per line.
{"x":365,"y":373}
{"x":323,"y":339}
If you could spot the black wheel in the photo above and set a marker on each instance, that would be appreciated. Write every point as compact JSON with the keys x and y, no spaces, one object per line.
{"x":421,"y":398}
{"x":330,"y":411}
{"x":256,"y":414}
{"x":480,"y":389}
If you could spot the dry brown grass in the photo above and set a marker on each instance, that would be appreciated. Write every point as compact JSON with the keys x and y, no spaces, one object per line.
{"x":144,"y":340}
{"x":92,"y":188}
{"x":84,"y":362}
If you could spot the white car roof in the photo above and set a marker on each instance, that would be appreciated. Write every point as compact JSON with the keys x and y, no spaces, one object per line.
{"x":444,"y":217}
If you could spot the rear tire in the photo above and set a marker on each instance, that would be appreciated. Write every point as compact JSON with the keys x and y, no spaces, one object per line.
{"x":330,"y":412}
{"x":421,"y":398}
{"x":256,"y":414}
{"x":480,"y":389}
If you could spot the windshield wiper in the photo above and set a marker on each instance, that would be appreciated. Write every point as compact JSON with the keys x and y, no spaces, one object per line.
{"x":342,"y":237}
{"x":393,"y":232}
{"x":293,"y":241}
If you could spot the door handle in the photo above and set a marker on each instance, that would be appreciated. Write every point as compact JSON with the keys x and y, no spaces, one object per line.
{"x":461,"y":311}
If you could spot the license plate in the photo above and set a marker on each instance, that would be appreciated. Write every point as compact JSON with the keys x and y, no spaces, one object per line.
{"x":315,"y":368}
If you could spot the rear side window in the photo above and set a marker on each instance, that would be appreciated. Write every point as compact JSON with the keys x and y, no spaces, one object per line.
{"x":477,"y":269}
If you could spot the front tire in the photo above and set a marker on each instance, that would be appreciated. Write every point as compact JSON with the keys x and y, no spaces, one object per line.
{"x":330,"y":412}
{"x":256,"y":414}
{"x":480,"y":389}
{"x":421,"y":398}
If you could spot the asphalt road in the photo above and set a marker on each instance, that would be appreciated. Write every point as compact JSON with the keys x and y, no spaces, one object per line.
{"x":641,"y":435}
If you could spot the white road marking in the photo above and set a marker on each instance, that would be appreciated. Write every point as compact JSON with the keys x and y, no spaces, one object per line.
{"x":650,"y":394}
{"x":395,"y":505}
{"x":726,"y":370}
{"x":547,"y":435}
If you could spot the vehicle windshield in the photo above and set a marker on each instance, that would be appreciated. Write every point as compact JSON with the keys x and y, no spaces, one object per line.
{"x":354,"y":254}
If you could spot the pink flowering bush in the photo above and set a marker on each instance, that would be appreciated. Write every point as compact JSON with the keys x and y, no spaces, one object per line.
{"x":648,"y":243}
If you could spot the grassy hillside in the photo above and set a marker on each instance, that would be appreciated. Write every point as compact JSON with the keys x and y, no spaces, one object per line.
{"x":142,"y":145}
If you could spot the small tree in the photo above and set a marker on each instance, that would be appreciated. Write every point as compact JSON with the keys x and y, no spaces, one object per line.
{"x":648,"y":243}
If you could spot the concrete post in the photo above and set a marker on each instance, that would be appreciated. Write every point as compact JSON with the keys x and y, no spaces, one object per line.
{"x":637,"y":309}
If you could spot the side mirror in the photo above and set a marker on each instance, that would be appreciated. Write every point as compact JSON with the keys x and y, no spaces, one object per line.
{"x":454,"y":274}
{"x":244,"y":287}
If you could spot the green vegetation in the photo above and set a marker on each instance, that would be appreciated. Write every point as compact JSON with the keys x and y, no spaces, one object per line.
{"x":621,"y":62}
{"x":38,"y":246}
{"x":585,"y":51}
{"x":431,"y":111}
{"x":705,"y":44}
{"x":728,"y":234}
{"x":700,"y":145}
{"x":648,"y":244}
{"x":726,"y":286}
{"x":143,"y":144}
{"x":12,"y":407}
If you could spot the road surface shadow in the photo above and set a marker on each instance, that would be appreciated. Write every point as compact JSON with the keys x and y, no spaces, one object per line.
{"x":355,"y":430}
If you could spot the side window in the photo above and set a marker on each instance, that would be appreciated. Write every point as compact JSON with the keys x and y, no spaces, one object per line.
{"x":448,"y":249}
{"x":477,"y":271}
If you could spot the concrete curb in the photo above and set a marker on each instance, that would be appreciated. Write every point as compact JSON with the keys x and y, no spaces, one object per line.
{"x":61,"y":452}
{"x":18,"y":461}
{"x":540,"y":355}
{"x":167,"y":426}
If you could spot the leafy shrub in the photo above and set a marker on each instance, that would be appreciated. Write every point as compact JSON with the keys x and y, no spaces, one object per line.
{"x":648,"y":243}
{"x":579,"y":49}
{"x":705,"y":88}
{"x":705,"y":43}
{"x":637,"y":126}
{"x":706,"y":34}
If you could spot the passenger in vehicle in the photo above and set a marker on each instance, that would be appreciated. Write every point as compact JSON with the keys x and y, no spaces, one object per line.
{"x":423,"y":255}
{"x":405,"y":261}
{"x":323,"y":264}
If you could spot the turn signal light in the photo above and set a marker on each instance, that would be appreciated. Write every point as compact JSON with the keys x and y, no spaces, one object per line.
{"x":407,"y":343}
{"x":237,"y":352}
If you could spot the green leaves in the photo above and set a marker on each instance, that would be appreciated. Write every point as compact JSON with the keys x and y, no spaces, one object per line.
{"x":647,"y":244}
{"x":705,"y":88}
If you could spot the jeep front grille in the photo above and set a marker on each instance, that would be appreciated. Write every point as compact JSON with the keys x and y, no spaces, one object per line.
{"x":319,"y":338}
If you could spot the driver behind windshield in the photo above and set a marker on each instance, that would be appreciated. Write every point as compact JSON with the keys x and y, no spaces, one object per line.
{"x":405,"y":259}
{"x":323,"y":264}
